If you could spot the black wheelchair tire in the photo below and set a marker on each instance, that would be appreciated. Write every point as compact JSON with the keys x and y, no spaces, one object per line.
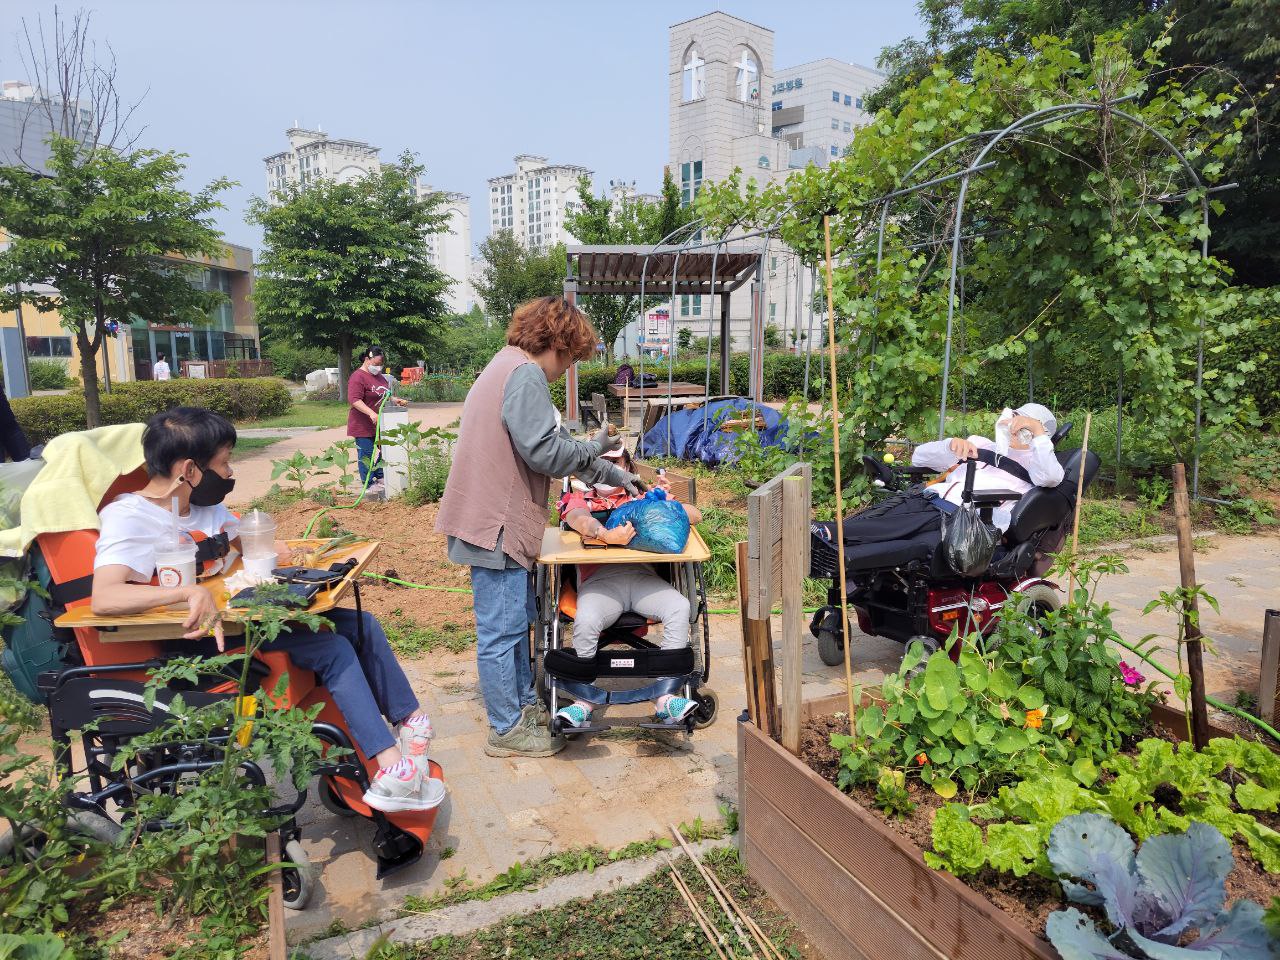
{"x":708,"y":706}
{"x":830,"y":649}
{"x":298,"y":881}
{"x":332,"y":801}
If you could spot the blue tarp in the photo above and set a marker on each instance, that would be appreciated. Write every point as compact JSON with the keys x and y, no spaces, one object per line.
{"x":714,"y":446}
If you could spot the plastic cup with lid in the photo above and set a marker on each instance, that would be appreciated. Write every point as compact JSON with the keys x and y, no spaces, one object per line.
{"x":176,"y":561}
{"x":258,"y":541}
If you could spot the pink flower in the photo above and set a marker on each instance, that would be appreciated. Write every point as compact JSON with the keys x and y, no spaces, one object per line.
{"x":1129,"y":675}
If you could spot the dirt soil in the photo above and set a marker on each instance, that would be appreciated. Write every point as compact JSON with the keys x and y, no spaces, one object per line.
{"x":146,"y":937}
{"x":411,"y":551}
{"x":1028,"y":900}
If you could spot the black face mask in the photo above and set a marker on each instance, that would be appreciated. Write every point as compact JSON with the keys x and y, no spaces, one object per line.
{"x":212,"y":488}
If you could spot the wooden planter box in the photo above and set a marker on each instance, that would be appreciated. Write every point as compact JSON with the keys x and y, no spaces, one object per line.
{"x":858,"y":889}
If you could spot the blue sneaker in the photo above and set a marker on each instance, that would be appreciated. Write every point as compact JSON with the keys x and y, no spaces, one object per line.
{"x":574,"y":715}
{"x":676,"y":709}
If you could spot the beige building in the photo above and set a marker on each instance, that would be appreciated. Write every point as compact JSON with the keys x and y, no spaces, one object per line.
{"x":230,"y":334}
{"x":533,"y":201}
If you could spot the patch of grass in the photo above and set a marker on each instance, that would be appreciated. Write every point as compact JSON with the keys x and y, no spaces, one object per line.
{"x":722,"y":530}
{"x":646,"y":921}
{"x":527,"y":876}
{"x":250,"y":444}
{"x":408,"y":638}
{"x":1113,"y":520}
{"x":276,"y":499}
{"x":309,"y":413}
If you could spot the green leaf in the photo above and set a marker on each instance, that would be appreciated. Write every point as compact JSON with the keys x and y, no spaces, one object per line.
{"x":946,"y":789}
{"x":1011,"y":741}
{"x":941,"y":681}
{"x":1251,"y":796}
{"x":1031,"y":698}
{"x":1014,"y":847}
{"x":1085,"y":771}
{"x":1002,"y":684}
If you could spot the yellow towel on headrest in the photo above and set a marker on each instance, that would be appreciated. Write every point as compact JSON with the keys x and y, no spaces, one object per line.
{"x":79,"y":470}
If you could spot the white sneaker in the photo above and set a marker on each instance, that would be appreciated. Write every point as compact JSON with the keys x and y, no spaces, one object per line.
{"x":415,"y":741}
{"x":395,"y":790}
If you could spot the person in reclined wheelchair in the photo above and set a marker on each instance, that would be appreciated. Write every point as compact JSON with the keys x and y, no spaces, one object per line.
{"x":607,"y":591}
{"x":188,"y":456}
{"x":1021,"y":456}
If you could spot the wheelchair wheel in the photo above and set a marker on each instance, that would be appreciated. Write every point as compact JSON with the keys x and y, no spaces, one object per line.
{"x":708,"y":706}
{"x":299,"y":880}
{"x":81,"y":823}
{"x":332,"y":800}
{"x":830,"y":649}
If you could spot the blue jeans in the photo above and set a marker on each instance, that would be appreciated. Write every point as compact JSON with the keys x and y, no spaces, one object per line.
{"x":367,"y":683}
{"x":364,"y":457}
{"x":504,"y":608}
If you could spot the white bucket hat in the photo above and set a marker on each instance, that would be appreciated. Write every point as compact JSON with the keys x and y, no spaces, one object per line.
{"x":1038,"y":411}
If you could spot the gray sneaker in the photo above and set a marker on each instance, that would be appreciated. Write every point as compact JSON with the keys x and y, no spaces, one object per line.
{"x":392,"y":793}
{"x":535,"y":715}
{"x":523,"y":741}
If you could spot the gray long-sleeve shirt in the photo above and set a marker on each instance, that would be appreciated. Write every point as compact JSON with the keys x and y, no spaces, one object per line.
{"x":545,"y":446}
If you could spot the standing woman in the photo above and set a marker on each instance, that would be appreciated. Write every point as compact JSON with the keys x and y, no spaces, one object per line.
{"x":510,"y":444}
{"x":365,"y":390}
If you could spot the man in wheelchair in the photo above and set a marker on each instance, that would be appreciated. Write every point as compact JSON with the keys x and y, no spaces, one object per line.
{"x":607,"y":591}
{"x":1020,"y":457}
{"x":188,"y":457}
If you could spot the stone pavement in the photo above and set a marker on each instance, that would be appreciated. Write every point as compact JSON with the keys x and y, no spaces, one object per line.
{"x":615,"y":789}
{"x":253,"y":472}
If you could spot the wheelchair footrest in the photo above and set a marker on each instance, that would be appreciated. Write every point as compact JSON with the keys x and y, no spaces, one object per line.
{"x":610,"y":662}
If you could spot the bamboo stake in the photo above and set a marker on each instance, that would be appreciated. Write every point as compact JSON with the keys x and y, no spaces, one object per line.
{"x":710,"y":881}
{"x":765,"y":943}
{"x":698,"y":915}
{"x":1199,"y":720}
{"x":1075,"y":522}
{"x":835,"y":433}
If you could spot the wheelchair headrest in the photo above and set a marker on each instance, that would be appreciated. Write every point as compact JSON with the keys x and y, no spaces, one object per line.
{"x":1060,"y":434}
{"x":1072,"y":465}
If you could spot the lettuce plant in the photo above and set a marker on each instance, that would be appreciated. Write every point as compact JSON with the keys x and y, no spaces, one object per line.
{"x":1154,"y":900}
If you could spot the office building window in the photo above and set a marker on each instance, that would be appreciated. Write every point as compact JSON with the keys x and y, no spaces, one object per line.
{"x":848,"y":100}
{"x":847,"y":129}
{"x":835,"y":151}
{"x":763,"y":162}
{"x":858,"y":103}
{"x":49,"y":346}
{"x":773,"y":263}
{"x":777,"y":105}
{"x":835,"y":96}
{"x":694,"y":75}
{"x":690,"y":306}
{"x":835,"y":124}
{"x":773,"y":311}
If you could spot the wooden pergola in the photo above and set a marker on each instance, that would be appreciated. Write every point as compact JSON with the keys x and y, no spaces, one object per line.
{"x":667,"y":271}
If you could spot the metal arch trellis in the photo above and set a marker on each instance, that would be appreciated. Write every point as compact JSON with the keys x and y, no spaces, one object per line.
{"x":1023,"y":125}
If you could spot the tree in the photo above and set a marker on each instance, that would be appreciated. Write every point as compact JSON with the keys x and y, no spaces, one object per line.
{"x":99,"y":231}
{"x":512,"y":275}
{"x":598,"y":220}
{"x":1227,"y":47}
{"x":347,"y":263}
{"x":469,"y":340}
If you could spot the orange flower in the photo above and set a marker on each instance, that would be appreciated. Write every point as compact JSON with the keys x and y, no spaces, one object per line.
{"x":1035,"y":718}
{"x":921,"y":759}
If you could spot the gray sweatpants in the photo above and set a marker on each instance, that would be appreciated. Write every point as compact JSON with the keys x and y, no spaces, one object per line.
{"x":616,"y":588}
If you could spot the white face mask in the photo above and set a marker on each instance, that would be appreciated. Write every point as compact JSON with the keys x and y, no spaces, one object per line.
{"x":375,"y":368}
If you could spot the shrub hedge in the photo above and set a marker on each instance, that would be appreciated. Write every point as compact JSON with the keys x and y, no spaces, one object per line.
{"x":294,"y":363}
{"x":43,"y":418}
{"x":49,"y":374}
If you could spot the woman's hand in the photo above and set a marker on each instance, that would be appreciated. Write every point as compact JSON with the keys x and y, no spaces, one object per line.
{"x":963,"y":449}
{"x":1021,"y":422}
{"x":284,"y":555}
{"x":662,"y":483}
{"x":619,"y":536}
{"x":203,"y":617}
{"x":400,"y":401}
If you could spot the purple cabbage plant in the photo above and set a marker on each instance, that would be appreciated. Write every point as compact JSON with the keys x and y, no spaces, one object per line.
{"x":1154,"y":899}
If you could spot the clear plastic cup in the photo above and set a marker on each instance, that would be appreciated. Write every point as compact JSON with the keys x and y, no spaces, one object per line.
{"x":176,"y":562}
{"x":258,"y":537}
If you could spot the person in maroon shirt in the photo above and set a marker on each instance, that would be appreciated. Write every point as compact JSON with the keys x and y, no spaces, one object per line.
{"x":365,"y":392}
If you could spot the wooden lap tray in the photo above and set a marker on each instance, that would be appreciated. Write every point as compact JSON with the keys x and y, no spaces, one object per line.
{"x":565,"y":546}
{"x":165,"y":623}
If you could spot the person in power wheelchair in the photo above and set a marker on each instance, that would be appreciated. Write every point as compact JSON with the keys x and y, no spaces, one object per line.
{"x":901,"y":586}
{"x":188,"y":458}
{"x":607,"y":591}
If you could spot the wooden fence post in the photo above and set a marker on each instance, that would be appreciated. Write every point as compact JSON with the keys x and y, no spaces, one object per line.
{"x":757,"y":657}
{"x":795,"y":537}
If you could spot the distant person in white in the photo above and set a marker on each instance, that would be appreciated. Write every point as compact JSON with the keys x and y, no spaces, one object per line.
{"x":161,"y":369}
{"x":1022,"y":435}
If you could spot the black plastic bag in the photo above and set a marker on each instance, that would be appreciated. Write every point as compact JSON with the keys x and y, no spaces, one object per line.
{"x":967,"y":541}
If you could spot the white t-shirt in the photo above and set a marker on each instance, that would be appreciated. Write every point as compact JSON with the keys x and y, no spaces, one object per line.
{"x":131,"y":525}
{"x":1038,"y":460}
{"x":161,"y":370}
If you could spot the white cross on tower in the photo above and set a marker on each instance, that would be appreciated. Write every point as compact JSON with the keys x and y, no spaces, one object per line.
{"x":693,"y":75}
{"x":746,"y":76}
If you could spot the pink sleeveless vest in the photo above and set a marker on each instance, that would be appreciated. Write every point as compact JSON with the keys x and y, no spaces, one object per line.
{"x":490,"y":488}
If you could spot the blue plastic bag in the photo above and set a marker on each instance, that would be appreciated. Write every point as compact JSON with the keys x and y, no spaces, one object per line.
{"x":662,"y":526}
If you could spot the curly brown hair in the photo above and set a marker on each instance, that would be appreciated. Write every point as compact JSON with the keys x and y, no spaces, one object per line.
{"x":552,"y":323}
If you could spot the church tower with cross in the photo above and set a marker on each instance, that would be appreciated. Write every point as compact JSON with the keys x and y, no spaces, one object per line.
{"x":721,"y":68}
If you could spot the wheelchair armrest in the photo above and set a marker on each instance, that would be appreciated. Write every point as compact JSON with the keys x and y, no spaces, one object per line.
{"x":986,"y":498}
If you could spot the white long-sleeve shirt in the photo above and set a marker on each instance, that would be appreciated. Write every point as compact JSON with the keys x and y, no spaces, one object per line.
{"x":1038,"y":461}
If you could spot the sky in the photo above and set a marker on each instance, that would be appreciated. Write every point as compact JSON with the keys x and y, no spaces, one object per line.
{"x":466,"y":86}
